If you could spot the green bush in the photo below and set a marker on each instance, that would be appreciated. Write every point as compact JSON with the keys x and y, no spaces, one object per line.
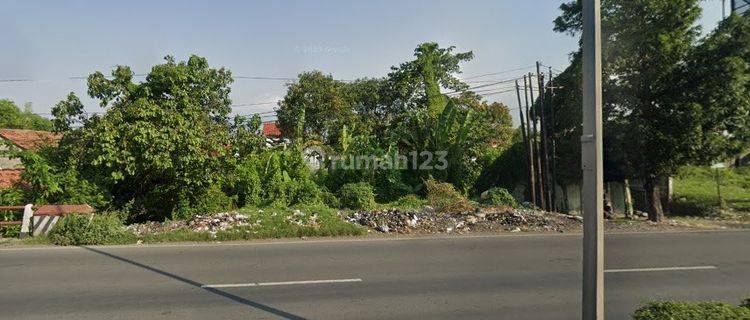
{"x":674,"y":310}
{"x":357,"y":196}
{"x":409,"y":201}
{"x":500,"y":197}
{"x":443,"y":196}
{"x":213,"y":201}
{"x":275,"y":177}
{"x":329,"y":199}
{"x":10,"y":197}
{"x":79,"y":229}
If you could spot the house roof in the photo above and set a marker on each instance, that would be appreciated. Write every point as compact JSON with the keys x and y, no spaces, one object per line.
{"x":9,"y":177}
{"x":30,"y":139}
{"x":271,"y":129}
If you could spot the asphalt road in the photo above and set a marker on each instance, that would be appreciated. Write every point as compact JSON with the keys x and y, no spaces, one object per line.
{"x":486,"y":277}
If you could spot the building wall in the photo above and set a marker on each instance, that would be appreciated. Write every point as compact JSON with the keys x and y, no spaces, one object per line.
{"x":616,"y":195}
{"x":6,"y":162}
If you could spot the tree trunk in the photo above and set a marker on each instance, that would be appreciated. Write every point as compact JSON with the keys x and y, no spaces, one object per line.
{"x":655,"y":212}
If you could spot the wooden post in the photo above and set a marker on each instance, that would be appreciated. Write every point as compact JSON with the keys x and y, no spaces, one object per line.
{"x":529,"y":154}
{"x":544,"y":136}
{"x":552,"y":137}
{"x":537,"y":158}
{"x":532,"y":150}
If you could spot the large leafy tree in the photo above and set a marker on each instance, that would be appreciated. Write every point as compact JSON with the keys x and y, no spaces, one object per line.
{"x":417,"y":83}
{"x":162,"y":143}
{"x":317,"y":103}
{"x":646,"y":43}
{"x":716,"y":80}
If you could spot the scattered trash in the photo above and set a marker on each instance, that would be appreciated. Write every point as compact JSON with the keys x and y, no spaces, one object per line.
{"x":429,"y":220}
{"x":199,"y":223}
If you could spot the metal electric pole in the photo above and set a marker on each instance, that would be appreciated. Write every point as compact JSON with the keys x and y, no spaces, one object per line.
{"x":591,"y":161}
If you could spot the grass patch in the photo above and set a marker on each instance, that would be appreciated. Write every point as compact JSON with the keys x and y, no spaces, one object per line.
{"x":695,"y":191}
{"x":676,"y":310}
{"x":407,"y":202}
{"x":272,"y":222}
{"x":267,"y":222}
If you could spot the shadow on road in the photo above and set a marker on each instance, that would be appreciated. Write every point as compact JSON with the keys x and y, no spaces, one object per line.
{"x":280,"y":313}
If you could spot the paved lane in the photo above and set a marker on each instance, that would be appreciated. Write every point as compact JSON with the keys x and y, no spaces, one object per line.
{"x":486,"y":277}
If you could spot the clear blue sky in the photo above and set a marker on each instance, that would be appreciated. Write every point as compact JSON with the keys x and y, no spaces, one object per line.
{"x":50,"y":41}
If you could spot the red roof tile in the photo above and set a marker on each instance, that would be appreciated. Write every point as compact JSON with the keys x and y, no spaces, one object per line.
{"x":9,"y":177}
{"x":30,"y":139}
{"x":271,"y":129}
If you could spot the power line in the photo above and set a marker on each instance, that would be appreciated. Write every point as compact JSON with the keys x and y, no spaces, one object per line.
{"x":254,"y":104}
{"x":483,"y":86}
{"x":264,"y":78}
{"x":499,"y":72}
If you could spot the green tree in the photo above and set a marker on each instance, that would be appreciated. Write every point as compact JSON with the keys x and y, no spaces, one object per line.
{"x":645,"y":44}
{"x":67,"y":112}
{"x":322,"y":101}
{"x":417,"y":83}
{"x":12,"y":117}
{"x":162,"y":143}
{"x":716,"y":80}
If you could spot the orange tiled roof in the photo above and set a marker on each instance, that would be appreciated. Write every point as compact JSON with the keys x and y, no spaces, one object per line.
{"x":9,"y":177}
{"x":271,"y":129}
{"x":30,"y":139}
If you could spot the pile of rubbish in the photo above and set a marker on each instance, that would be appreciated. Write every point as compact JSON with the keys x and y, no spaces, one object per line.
{"x":429,"y":220}
{"x":199,"y":223}
{"x":301,"y":219}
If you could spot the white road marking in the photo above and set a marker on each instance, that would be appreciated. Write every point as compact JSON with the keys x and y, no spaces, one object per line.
{"x":661,"y":269}
{"x":284,"y":283}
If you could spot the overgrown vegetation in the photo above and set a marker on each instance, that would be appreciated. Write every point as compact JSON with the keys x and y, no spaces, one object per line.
{"x":500,"y":197}
{"x":267,"y":222}
{"x":357,"y":196}
{"x":444,"y":197}
{"x":674,"y":310}
{"x":696,"y":193}
{"x":671,"y":98}
{"x":79,"y":230}
{"x":167,"y":148}
{"x":12,"y":117}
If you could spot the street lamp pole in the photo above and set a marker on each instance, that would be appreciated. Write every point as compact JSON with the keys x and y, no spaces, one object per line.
{"x":592,"y":165}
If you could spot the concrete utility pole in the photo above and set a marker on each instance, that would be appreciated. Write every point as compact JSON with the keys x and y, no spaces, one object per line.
{"x":591,"y":160}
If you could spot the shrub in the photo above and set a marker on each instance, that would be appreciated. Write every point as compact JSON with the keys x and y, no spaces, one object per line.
{"x":78,"y":229}
{"x":673,"y":310}
{"x":357,"y":196}
{"x":409,"y":201}
{"x":275,"y":177}
{"x":500,"y":197}
{"x":213,"y":201}
{"x":329,"y":199}
{"x":444,"y":197}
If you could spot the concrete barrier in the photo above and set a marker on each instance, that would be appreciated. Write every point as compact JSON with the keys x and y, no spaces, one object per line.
{"x":40,"y":220}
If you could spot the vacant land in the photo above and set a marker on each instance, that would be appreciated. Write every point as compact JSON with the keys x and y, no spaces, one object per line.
{"x":696,"y":193}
